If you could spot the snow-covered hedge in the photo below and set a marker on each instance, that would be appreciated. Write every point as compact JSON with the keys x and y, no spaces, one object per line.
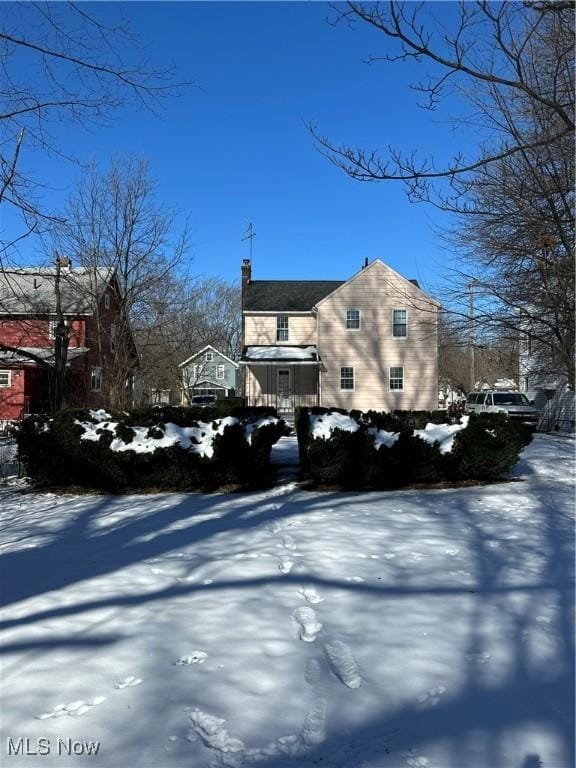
{"x":390,"y":450}
{"x":168,"y":449}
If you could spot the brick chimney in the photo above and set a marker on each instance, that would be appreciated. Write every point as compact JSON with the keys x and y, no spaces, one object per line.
{"x":246,"y":273}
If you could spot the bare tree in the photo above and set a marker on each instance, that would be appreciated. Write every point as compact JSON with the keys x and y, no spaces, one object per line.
{"x":512,"y":195}
{"x":114,"y":221}
{"x":61,"y":64}
{"x":184,"y":318}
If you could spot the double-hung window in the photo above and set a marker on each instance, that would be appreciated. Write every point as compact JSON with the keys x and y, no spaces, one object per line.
{"x":397,"y":378}
{"x":5,"y":379}
{"x":113,"y":338}
{"x":282,"y":328}
{"x":347,"y":378}
{"x":399,"y":323}
{"x":209,"y":357}
{"x":353,"y":319}
{"x":220,"y":372}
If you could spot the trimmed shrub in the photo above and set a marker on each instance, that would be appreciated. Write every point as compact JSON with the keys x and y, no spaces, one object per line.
{"x":54,"y":454}
{"x":486,"y":449}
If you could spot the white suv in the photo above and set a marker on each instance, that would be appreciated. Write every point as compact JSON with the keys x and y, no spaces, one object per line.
{"x":515,"y":404}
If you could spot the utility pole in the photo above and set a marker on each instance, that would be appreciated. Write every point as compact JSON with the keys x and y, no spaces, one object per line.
{"x":471,"y":339}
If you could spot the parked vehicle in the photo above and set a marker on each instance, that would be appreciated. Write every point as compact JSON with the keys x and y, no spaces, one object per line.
{"x":515,"y":404}
{"x":203,"y":401}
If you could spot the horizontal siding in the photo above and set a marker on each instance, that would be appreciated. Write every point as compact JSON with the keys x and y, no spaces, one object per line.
{"x":372,"y":350}
{"x":261,"y":329}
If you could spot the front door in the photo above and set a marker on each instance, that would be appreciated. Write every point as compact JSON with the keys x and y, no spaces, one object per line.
{"x":284,"y":389}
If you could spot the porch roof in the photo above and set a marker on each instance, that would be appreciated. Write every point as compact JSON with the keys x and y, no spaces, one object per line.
{"x":46,"y":354}
{"x":280,"y":355}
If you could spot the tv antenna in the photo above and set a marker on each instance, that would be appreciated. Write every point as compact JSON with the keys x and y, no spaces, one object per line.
{"x":250,"y":235}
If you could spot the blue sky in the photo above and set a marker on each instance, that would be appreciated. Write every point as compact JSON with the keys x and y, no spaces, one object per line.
{"x":236,"y":149}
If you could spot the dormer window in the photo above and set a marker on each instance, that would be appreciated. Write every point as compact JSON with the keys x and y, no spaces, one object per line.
{"x":282,"y":328}
{"x":353,"y":319}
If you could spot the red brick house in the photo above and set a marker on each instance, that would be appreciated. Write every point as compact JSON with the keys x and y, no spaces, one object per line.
{"x":28,"y":318}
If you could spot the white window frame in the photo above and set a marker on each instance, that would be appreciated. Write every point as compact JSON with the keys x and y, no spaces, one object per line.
{"x":106,"y":300}
{"x":8,"y":373}
{"x":350,"y":327}
{"x":220,"y":372}
{"x":281,"y":330}
{"x":209,"y":357}
{"x":396,"y":378}
{"x":97,"y":376}
{"x":348,"y":368}
{"x":400,"y":309}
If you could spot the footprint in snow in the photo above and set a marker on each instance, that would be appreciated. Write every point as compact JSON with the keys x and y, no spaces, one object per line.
{"x":288,"y":542}
{"x":343,"y":664}
{"x":308,"y":624}
{"x":196,"y":657}
{"x":285,"y":566}
{"x":432,"y":697}
{"x":74,"y":709}
{"x":128,"y":682}
{"x":413,"y":760}
{"x":313,"y":672}
{"x":478,"y":658}
{"x":274,"y":527}
{"x":355,"y":579}
{"x":310,"y":595}
{"x":314,"y":727}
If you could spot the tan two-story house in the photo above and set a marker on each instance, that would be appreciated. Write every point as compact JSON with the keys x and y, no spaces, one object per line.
{"x":369,"y":342}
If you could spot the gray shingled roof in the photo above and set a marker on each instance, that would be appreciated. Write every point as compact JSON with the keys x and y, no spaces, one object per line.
{"x":32,"y":291}
{"x":287,"y":295}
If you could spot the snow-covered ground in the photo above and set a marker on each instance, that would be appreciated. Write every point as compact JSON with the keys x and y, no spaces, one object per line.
{"x":287,"y":629}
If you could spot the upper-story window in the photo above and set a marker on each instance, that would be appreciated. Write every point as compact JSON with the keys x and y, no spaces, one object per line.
{"x":113,"y":338}
{"x":353,"y":319}
{"x":5,"y":379}
{"x":208,"y":357}
{"x":106,"y":301}
{"x":399,"y":323}
{"x":219,"y":371}
{"x":282,"y":328}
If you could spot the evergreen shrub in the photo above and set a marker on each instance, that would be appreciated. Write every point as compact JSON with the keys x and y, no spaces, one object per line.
{"x":54,"y":455}
{"x":486,"y":449}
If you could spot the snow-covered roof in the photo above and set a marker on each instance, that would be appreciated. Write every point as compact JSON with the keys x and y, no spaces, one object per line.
{"x":280,"y":354}
{"x":46,"y":354}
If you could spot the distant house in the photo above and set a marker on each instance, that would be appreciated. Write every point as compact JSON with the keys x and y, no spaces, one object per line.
{"x":28,"y":319}
{"x":209,"y":372}
{"x":369,"y":342}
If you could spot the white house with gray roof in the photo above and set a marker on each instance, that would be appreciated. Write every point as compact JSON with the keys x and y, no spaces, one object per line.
{"x":369,"y":342}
